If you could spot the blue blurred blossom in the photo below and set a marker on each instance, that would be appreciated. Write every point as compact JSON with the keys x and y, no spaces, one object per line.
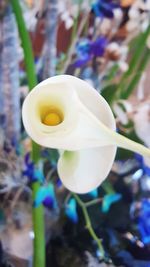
{"x":108,"y":200}
{"x":144,"y":221}
{"x":87,"y":49}
{"x":146,"y":169}
{"x":31,"y":171}
{"x":59,"y":183}
{"x":104,"y":8}
{"x":82,"y":61}
{"x":46,"y":195}
{"x":94,"y":193}
{"x":71,"y":210}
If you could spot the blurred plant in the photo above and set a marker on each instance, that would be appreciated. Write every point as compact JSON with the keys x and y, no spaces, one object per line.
{"x":49,"y":50}
{"x":9,"y":78}
{"x":143,"y":221}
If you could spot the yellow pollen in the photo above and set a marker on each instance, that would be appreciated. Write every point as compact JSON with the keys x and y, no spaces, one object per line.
{"x":52,"y":119}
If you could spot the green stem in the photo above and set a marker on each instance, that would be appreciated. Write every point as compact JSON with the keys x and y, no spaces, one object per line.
{"x":38,"y":213}
{"x":93,"y":202}
{"x":107,"y":187}
{"x":89,"y":224}
{"x":26,"y":44}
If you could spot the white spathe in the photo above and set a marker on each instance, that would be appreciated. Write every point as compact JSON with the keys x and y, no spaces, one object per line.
{"x":83,"y":171}
{"x":86,"y":134}
{"x":84,"y":111}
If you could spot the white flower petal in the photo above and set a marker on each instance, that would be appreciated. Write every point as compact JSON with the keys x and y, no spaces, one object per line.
{"x":84,"y":170}
{"x":77,"y":131}
{"x":87,"y":119}
{"x":41,"y":99}
{"x":86,"y":130}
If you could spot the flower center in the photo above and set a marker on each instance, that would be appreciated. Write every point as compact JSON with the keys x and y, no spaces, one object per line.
{"x":53,"y":118}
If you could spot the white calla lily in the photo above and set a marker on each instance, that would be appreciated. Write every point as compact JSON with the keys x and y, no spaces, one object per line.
{"x":66,"y":113}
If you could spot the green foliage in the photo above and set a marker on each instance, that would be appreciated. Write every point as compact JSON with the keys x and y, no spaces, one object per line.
{"x":109,"y":93}
{"x":137,"y":65}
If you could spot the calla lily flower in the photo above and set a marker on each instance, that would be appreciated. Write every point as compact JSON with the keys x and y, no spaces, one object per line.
{"x":66,"y":113}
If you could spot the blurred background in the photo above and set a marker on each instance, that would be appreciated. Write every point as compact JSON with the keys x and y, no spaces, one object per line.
{"x":106,"y":43}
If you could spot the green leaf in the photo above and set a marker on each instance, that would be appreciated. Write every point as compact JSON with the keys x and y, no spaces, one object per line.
{"x":109,"y":93}
{"x":135,"y":68}
{"x":112,"y":72}
{"x":136,"y":77}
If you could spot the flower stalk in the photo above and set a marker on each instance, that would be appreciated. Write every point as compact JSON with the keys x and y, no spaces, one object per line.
{"x":38,"y":213}
{"x":89,"y":227}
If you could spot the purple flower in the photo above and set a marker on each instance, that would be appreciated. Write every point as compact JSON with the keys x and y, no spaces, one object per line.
{"x":97,"y":48}
{"x":48,"y":202}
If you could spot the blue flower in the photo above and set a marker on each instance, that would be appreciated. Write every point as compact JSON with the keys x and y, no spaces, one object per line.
{"x":83,"y":47}
{"x":108,"y":200}
{"x":144,"y":221}
{"x":46,"y":195}
{"x":146,"y":169}
{"x":71,"y":210}
{"x":87,"y":49}
{"x":97,"y":48}
{"x":104,"y":8}
{"x":58,"y":183}
{"x":138,"y":174}
{"x":31,"y":171}
{"x":94,"y":193}
{"x":83,"y":53}
{"x":82,"y":61}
